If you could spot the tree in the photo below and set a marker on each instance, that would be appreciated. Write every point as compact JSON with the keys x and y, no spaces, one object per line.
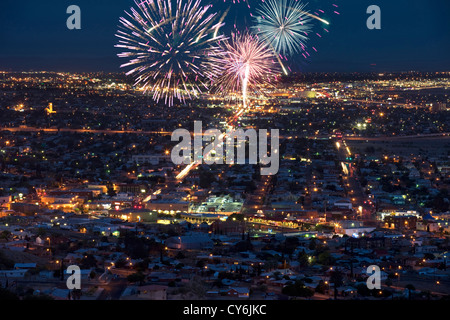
{"x":5,"y":235}
{"x":363,"y":290}
{"x":88,"y":261}
{"x":428,"y":256}
{"x":120,"y":263}
{"x":321,"y":287}
{"x":337,"y":278}
{"x":303,"y":259}
{"x":410,"y":288}
{"x":136,"y":277}
{"x":5,"y":294}
{"x":270,"y":264}
{"x":312,"y":244}
{"x":180,"y":255}
{"x":41,"y":232}
{"x":298,"y":289}
{"x":206,"y":178}
{"x":245,"y":245}
{"x":197,"y":287}
{"x":388,"y":282}
{"x":111,"y":192}
{"x":324,"y":258}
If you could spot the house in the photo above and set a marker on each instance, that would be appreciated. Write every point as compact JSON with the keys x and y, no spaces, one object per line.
{"x":73,"y":258}
{"x":58,"y":293}
{"x":147,"y":292}
{"x":238,"y":292}
{"x":153,"y":292}
{"x":84,"y":274}
{"x":343,"y":203}
{"x":162,"y":276}
{"x":24,"y":266}
{"x":13,"y":274}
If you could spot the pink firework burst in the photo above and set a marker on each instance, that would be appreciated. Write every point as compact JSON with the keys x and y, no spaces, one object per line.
{"x":246,"y":64}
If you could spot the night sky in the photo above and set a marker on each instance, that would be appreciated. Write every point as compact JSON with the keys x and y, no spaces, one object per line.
{"x":415,"y":35}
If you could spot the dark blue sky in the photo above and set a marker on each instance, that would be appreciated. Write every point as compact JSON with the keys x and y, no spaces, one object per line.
{"x":415,"y":35}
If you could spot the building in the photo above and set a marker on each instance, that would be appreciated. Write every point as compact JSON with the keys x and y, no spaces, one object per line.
{"x":367,"y":243}
{"x":5,"y":202}
{"x":63,"y":202}
{"x":239,"y":292}
{"x":133,"y":188}
{"x":438,"y":106}
{"x":149,"y":159}
{"x":24,"y":207}
{"x":168,"y":206}
{"x":135,"y":215}
{"x":148,"y":292}
{"x":351,"y":228}
{"x":343,"y":204}
{"x":404,"y":222}
{"x":394,"y":212}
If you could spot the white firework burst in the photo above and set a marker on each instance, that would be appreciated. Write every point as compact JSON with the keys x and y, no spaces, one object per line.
{"x":284,"y":24}
{"x":167,"y":44}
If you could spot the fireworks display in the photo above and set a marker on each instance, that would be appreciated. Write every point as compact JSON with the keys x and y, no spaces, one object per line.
{"x":245,"y":63}
{"x":176,"y":49}
{"x":284,"y":24}
{"x":168,"y":44}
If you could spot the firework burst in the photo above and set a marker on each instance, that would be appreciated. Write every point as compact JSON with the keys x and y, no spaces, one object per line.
{"x":284,"y":24}
{"x":245,"y":63}
{"x":168,"y":44}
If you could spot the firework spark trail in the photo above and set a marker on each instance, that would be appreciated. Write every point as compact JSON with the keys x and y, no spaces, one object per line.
{"x":245,"y":63}
{"x":168,"y":44}
{"x":316,"y":17}
{"x":284,"y":24}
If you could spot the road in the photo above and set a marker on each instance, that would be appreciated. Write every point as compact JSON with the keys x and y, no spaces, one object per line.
{"x":423,"y":283}
{"x":72,"y":130}
{"x":113,"y":290}
{"x":351,"y":181}
{"x":445,"y":135}
{"x":404,"y":105}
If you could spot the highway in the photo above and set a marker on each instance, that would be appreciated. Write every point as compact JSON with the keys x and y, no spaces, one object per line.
{"x":71,"y":130}
{"x":404,"y":105}
{"x":351,"y":183}
{"x":445,"y":135}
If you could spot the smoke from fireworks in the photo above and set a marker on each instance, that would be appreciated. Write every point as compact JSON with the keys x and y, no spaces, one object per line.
{"x":245,"y":63}
{"x":168,"y":44}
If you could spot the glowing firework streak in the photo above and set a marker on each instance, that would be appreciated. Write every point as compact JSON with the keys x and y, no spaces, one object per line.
{"x":168,"y":43}
{"x":220,"y":22}
{"x":315,"y":17}
{"x":245,"y":85}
